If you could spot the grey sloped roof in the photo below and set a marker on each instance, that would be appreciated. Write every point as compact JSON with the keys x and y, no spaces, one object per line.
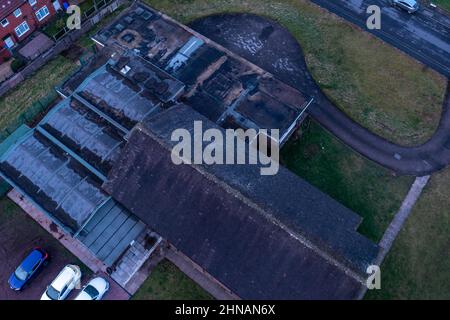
{"x":261,"y":236}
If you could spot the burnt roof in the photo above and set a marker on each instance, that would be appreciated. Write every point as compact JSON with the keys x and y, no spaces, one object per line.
{"x":217,"y":83}
{"x":263,"y":237}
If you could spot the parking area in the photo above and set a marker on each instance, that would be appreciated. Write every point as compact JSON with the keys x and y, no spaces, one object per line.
{"x":18,"y":235}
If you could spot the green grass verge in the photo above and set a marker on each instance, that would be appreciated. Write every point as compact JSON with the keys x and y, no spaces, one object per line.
{"x":167,"y":282}
{"x":16,"y":101}
{"x":375,"y":84}
{"x":444,"y":4}
{"x":418,"y":265}
{"x":361,"y":185}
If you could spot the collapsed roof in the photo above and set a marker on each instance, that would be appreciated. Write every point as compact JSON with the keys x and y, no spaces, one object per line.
{"x":222,"y":86}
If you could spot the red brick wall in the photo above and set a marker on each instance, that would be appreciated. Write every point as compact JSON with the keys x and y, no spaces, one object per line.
{"x":4,"y":55}
{"x":28,"y":14}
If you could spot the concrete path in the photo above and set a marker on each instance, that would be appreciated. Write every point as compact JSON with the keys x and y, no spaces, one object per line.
{"x":286,"y":62}
{"x":397,"y":223}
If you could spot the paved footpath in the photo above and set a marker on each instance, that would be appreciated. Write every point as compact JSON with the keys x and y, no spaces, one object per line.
{"x":397,"y":223}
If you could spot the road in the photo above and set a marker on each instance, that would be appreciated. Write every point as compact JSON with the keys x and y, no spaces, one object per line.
{"x":424,"y":35}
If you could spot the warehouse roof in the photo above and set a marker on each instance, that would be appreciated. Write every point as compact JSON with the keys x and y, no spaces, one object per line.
{"x":261,"y":236}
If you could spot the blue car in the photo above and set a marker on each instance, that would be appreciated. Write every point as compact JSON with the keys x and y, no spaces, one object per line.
{"x":29,"y":267}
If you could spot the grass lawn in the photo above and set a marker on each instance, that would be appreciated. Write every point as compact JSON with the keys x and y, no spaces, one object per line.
{"x":167,"y":282}
{"x":361,"y":185}
{"x":58,"y":23}
{"x":16,"y":101}
{"x":444,"y":4}
{"x":418,"y":266}
{"x":378,"y":86}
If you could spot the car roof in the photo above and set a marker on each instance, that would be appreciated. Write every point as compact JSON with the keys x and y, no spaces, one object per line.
{"x":63,"y":278}
{"x":410,"y":2}
{"x":98,"y":283}
{"x":33,"y":257}
{"x":83,"y":296}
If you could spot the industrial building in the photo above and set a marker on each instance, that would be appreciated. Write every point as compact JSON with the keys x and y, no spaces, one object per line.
{"x":99,"y":165}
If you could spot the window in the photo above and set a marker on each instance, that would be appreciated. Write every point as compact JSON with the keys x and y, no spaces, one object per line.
{"x":42,"y":13}
{"x":32,"y":2}
{"x":17,"y":13}
{"x":22,"y":29}
{"x":4,"y":22}
{"x":9,"y":42}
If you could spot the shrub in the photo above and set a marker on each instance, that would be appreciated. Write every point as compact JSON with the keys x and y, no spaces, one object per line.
{"x":17,"y":64}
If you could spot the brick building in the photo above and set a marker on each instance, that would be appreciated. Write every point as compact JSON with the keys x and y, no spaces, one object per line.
{"x":19,"y":18}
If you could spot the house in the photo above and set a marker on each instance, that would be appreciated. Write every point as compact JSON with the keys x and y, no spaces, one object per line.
{"x":19,"y":18}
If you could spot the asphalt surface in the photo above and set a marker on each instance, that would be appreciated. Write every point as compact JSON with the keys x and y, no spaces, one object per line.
{"x":424,"y":35}
{"x":18,"y":236}
{"x":280,"y":54}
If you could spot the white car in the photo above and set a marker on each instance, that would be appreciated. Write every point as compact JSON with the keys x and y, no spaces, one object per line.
{"x":94,"y":290}
{"x":64,"y":283}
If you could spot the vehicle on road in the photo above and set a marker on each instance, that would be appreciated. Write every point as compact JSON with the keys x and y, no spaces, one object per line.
{"x":94,"y":290}
{"x":29,"y":267}
{"x":64,"y":283}
{"x":409,"y":5}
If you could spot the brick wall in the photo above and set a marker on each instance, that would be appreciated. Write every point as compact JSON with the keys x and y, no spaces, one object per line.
{"x":28,"y":15}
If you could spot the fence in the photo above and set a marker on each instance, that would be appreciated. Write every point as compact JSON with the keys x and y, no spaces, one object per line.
{"x":30,"y":114}
{"x":62,"y":44}
{"x":87,"y":14}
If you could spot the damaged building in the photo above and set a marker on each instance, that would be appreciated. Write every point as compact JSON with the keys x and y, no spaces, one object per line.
{"x":99,"y":165}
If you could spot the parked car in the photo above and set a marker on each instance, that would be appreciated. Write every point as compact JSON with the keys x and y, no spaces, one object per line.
{"x":94,"y":290}
{"x":64,"y":283}
{"x":409,"y":5}
{"x":28,"y":268}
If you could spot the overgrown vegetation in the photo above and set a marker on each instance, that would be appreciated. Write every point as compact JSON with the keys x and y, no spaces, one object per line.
{"x":167,"y":282}
{"x":40,"y":85}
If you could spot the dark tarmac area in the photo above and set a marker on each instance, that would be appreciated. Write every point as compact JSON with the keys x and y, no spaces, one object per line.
{"x":19,"y":234}
{"x":272,"y":47}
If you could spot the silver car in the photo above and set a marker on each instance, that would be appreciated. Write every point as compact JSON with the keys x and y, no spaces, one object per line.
{"x":409,"y":5}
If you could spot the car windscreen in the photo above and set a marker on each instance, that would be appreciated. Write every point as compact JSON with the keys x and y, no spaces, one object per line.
{"x":21,"y":274}
{"x":90,"y":290}
{"x":52,"y":293}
